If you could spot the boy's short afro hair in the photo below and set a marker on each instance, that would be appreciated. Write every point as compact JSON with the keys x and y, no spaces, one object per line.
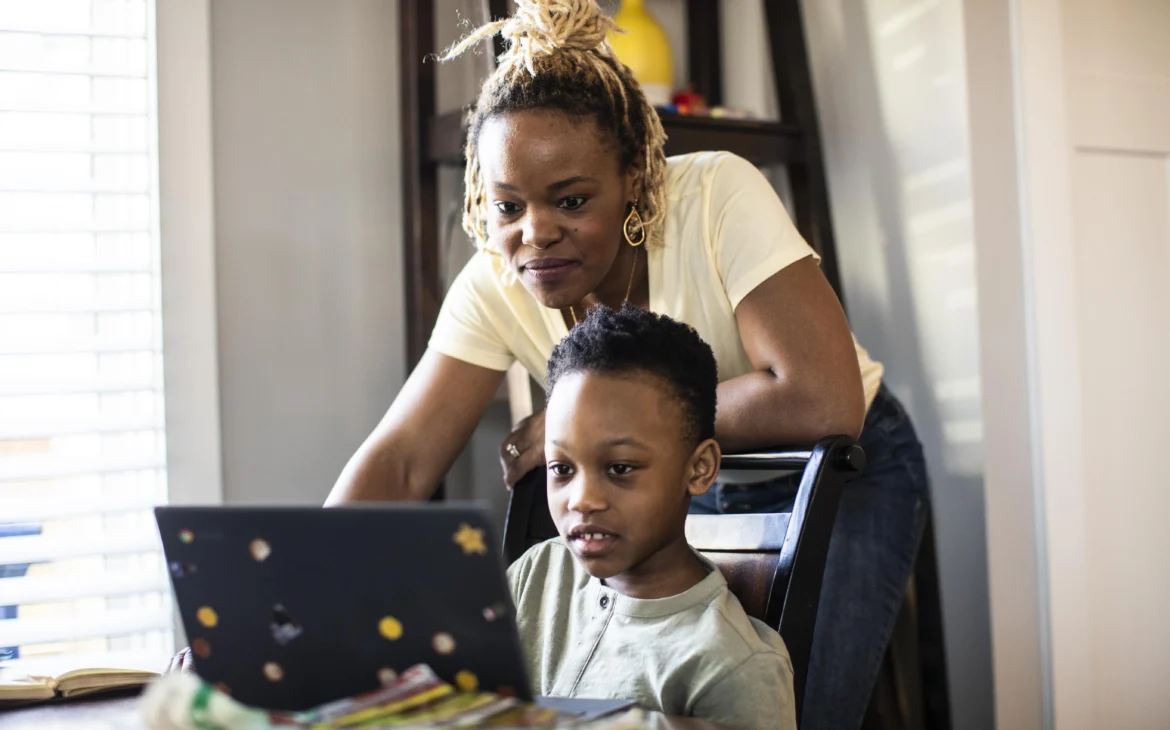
{"x":634,"y":340}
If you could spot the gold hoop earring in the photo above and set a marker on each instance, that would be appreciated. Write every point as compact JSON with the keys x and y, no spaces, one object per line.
{"x":633,"y":229}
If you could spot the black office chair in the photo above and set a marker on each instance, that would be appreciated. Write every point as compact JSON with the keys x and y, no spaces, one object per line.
{"x":773,"y":563}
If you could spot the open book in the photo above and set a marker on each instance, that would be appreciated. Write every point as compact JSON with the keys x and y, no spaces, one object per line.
{"x":21,"y":690}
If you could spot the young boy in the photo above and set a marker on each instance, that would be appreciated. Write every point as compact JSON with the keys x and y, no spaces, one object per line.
{"x":620,"y":605}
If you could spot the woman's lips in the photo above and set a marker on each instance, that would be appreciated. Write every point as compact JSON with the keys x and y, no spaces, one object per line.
{"x":550,"y":270}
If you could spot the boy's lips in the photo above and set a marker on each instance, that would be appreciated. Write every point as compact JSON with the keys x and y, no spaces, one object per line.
{"x":592,"y":541}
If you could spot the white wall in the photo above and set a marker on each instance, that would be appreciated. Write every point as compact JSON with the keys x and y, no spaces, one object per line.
{"x":1103,"y":308}
{"x":308,"y":243}
{"x":890,"y":78}
{"x":187,"y":226}
{"x":1117,"y":66}
{"x":1071,"y":127}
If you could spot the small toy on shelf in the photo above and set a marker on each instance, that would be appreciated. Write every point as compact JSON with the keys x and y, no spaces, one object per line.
{"x":689,"y":101}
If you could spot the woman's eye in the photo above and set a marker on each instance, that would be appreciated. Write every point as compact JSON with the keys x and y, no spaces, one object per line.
{"x":621,"y":470}
{"x":573,"y":202}
{"x":506,"y":207}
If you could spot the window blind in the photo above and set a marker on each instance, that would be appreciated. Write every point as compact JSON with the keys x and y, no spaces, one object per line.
{"x":82,"y":443}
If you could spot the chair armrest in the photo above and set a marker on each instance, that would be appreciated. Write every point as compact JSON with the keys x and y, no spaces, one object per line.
{"x":849,"y":457}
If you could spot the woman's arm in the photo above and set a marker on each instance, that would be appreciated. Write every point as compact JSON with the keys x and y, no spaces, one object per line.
{"x":425,"y":428}
{"x":807,"y":382}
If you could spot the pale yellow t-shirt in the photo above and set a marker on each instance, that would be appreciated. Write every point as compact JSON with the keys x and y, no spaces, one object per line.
{"x":726,"y":233}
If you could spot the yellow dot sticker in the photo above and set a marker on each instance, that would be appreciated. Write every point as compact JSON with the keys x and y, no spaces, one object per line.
{"x":466,"y":681}
{"x":207,"y":616}
{"x":470,"y":539}
{"x":390,"y":628}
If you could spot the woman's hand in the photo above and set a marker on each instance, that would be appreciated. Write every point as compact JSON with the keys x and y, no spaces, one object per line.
{"x":523,"y":450}
{"x":181,"y":662}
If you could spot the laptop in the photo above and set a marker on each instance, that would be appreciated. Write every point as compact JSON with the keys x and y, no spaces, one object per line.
{"x":287,"y":608}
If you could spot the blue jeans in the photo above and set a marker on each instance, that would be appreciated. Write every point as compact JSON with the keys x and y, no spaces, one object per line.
{"x":871,"y":556}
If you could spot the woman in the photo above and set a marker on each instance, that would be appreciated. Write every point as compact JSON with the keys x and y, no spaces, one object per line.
{"x":573,"y":205}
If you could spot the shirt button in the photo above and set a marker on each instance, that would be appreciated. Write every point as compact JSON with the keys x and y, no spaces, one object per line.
{"x":726,"y":506}
{"x":605,"y":601}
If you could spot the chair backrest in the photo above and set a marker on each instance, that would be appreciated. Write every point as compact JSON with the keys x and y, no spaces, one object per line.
{"x":773,"y":563}
{"x":747,"y":550}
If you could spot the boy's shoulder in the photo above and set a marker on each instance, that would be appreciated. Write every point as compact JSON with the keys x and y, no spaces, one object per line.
{"x":726,"y":633}
{"x":550,"y":564}
{"x":548,"y":555}
{"x":737,"y":669}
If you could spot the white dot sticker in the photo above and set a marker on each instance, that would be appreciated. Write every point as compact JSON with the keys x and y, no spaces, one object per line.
{"x":273,"y":672}
{"x":443,"y":643}
{"x":260,"y":550}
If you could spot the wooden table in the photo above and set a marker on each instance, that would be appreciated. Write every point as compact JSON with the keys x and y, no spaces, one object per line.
{"x":122,"y":714}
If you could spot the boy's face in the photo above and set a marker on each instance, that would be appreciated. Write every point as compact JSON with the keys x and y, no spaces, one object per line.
{"x":621,"y":470}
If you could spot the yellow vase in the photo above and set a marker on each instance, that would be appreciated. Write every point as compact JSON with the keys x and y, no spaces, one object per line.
{"x":645,"y":49}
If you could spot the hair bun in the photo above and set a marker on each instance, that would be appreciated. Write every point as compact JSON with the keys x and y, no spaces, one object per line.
{"x":544,"y":27}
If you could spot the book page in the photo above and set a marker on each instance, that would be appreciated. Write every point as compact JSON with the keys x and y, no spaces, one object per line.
{"x":84,"y":681}
{"x":24,"y":689}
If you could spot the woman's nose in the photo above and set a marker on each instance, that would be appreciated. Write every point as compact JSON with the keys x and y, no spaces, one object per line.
{"x":540,"y":230}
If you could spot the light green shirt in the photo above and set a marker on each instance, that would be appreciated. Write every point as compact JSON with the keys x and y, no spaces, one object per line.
{"x":696,"y":653}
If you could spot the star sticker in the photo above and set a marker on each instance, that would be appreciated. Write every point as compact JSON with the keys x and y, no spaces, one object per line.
{"x":470,"y":539}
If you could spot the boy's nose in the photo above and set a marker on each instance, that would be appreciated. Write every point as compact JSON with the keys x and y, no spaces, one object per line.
{"x":586,"y":496}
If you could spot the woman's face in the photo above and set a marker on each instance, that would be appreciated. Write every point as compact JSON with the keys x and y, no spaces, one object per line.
{"x":557,"y":197}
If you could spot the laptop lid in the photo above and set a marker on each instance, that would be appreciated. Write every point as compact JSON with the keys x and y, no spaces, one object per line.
{"x":290,"y":607}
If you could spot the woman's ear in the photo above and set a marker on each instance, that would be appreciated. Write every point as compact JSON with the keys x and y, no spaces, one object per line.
{"x":704,"y":467}
{"x":635,"y":173}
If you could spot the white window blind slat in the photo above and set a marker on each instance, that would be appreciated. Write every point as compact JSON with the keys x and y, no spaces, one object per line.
{"x":85,"y":346}
{"x":82,"y":17}
{"x":37,"y":510}
{"x":41,"y":549}
{"x":84,"y":626}
{"x":83,"y":426}
{"x":41,"y":590}
{"x":45,"y":384}
{"x":82,"y":441}
{"x":30,"y":468}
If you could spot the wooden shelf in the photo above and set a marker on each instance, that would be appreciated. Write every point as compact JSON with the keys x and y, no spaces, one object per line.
{"x":764,"y":143}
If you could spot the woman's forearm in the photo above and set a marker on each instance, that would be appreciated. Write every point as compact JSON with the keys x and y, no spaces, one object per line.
{"x":762,"y":409}
{"x":380,"y":472}
{"x":421,"y":435}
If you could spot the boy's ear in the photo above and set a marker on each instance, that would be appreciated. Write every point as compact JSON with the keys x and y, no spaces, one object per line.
{"x":704,"y":467}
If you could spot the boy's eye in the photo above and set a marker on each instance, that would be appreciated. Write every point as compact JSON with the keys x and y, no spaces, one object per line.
{"x":621,"y":470}
{"x":507,"y":207}
{"x":573,"y":202}
{"x":560,"y":470}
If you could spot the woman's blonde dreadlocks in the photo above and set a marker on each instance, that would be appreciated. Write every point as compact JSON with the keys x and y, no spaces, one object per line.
{"x":558,"y":58}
